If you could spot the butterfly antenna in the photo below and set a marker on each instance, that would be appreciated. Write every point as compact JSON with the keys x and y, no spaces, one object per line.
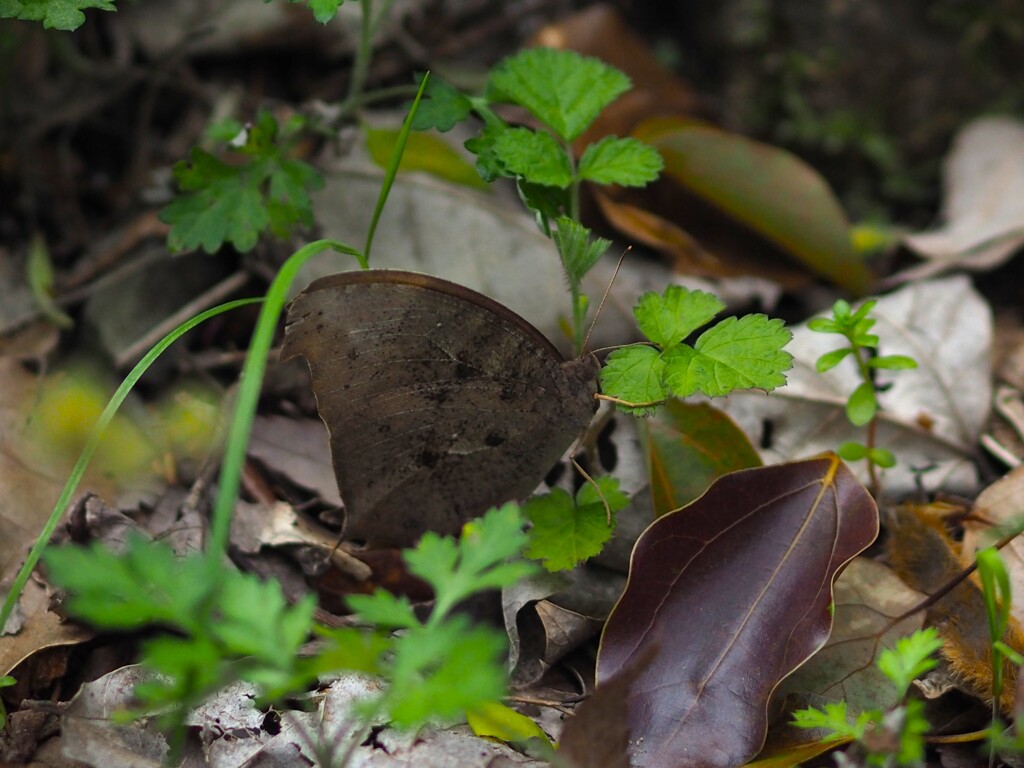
{"x":593,"y":482}
{"x":618,"y":265}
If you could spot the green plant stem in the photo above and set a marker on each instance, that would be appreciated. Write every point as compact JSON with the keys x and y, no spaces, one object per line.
{"x":872,"y":426}
{"x":249,"y":386}
{"x":92,"y":443}
{"x":364,"y":51}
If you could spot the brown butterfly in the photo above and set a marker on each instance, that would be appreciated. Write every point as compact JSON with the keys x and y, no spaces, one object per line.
{"x":439,"y":401}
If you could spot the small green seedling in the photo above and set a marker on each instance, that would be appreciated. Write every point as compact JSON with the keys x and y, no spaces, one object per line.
{"x":736,"y":353}
{"x":997,"y":594}
{"x":896,"y":737}
{"x":565,"y":92}
{"x":862,"y":405}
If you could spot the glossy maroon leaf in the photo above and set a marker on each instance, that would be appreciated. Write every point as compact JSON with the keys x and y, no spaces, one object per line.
{"x":735,"y":590}
{"x":689,"y":446}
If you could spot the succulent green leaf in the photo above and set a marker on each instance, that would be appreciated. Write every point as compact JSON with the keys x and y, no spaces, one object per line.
{"x":627,"y":162}
{"x":564,"y":90}
{"x":862,"y":404}
{"x":669,"y":318}
{"x":830,"y":360}
{"x":893,"y":362}
{"x":882,"y":457}
{"x":852,"y":451}
{"x":634,"y":374}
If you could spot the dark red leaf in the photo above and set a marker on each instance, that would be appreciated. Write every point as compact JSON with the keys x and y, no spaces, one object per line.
{"x":735,"y":591}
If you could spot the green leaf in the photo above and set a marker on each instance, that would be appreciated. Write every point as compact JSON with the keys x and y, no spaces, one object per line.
{"x":862,"y":404}
{"x":882,"y":457}
{"x":488,"y":164}
{"x":824,"y":325}
{"x":830,"y":360}
{"x":384,"y":609}
{"x":567,"y":531}
{"x":423,"y":152}
{"x":766,"y":189}
{"x":441,"y":107}
{"x":671,"y":317}
{"x":222,"y":203}
{"x":533,"y":155}
{"x":627,"y":162}
{"x":833,"y":719}
{"x":578,"y":251}
{"x":911,"y":658}
{"x":64,"y":15}
{"x":476,"y":562}
{"x":441,"y":671}
{"x":736,"y":353}
{"x":492,"y":719}
{"x":893,"y":362}
{"x":562,"y":89}
{"x":851,"y":451}
{"x":634,"y":374}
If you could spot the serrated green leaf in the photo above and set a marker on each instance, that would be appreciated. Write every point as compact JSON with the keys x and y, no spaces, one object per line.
{"x":743,"y":353}
{"x":488,"y":164}
{"x":862,"y":404}
{"x":441,"y":107}
{"x":578,"y":251}
{"x":567,"y":531}
{"x":533,"y":155}
{"x":562,"y":89}
{"x":627,"y":162}
{"x":323,"y":10}
{"x":65,"y":15}
{"x":669,"y":318}
{"x":634,"y":374}
{"x":830,"y":360}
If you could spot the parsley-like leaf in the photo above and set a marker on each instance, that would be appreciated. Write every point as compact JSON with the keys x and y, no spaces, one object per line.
{"x":475,"y":562}
{"x":562,"y":89}
{"x":441,"y":671}
{"x":628,"y":162}
{"x":567,"y":531}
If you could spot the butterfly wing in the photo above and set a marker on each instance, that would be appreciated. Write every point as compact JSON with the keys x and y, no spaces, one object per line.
{"x":439,"y":401}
